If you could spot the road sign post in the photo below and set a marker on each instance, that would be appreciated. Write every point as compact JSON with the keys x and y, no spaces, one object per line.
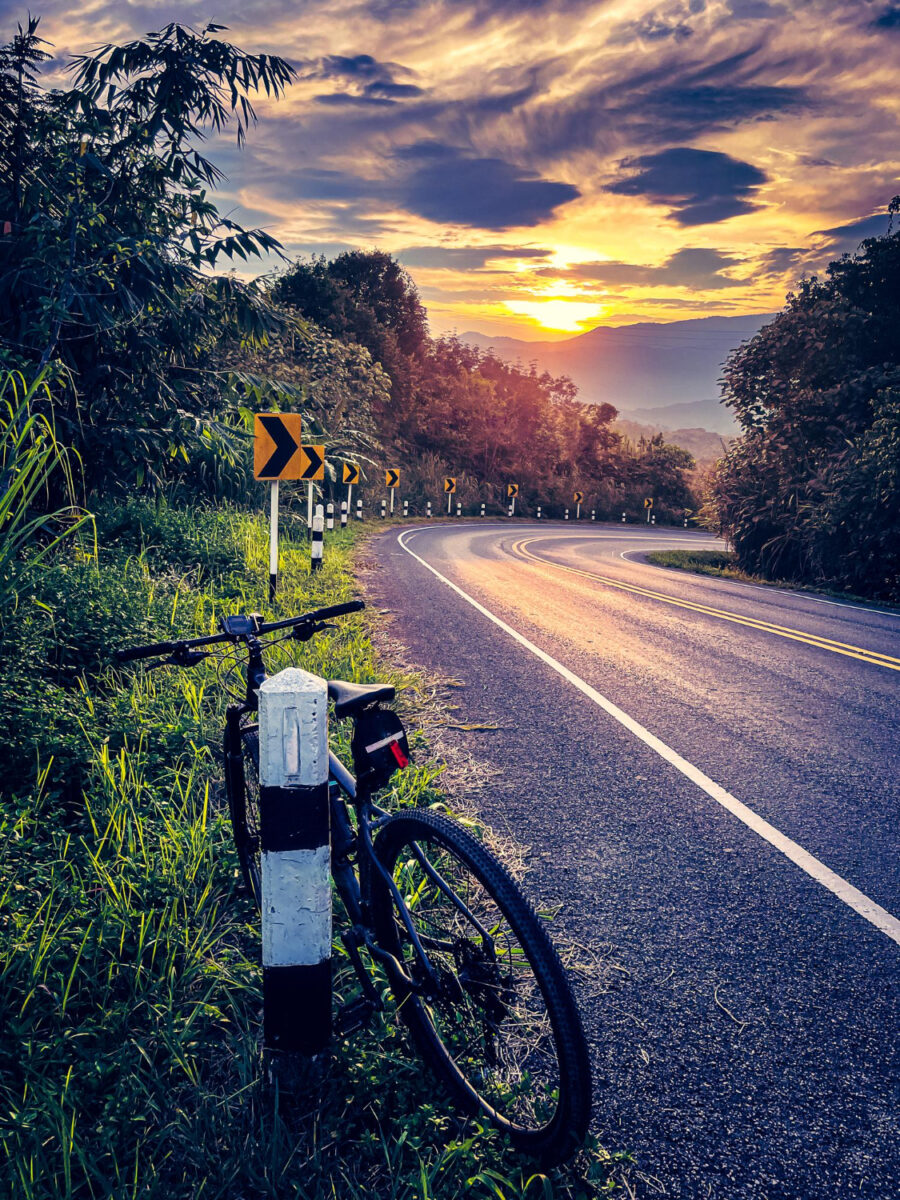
{"x":578,"y":497}
{"x":449,"y":489}
{"x":392,"y":482}
{"x":648,"y":504}
{"x":512,"y":490}
{"x":350,"y":475}
{"x":273,"y":539}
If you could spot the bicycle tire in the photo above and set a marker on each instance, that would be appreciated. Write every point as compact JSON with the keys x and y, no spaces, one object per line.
{"x":242,"y":789}
{"x":537,"y":1005}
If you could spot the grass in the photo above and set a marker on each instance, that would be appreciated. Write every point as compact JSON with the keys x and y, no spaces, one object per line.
{"x":129,"y":976}
{"x":723,"y":563}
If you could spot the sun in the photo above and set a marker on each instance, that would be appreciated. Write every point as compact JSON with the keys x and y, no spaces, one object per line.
{"x":562,"y":316}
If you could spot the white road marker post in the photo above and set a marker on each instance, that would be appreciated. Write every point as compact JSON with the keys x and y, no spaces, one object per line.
{"x":343,"y":514}
{"x":509,"y":510}
{"x":458,"y":509}
{"x":653,"y":519}
{"x":329,"y":517}
{"x":428,"y":510}
{"x":296,"y":861}
{"x":383,"y":507}
{"x":593,"y":514}
{"x":406,"y":508}
{"x":317,"y":543}
{"x":567,"y":515}
{"x":482,"y":508}
{"x":685,"y":522}
{"x":359,"y":510}
{"x":539,"y":512}
{"x":273,"y":539}
{"x":623,"y":518}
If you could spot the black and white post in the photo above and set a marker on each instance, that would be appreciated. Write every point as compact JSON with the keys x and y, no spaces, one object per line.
{"x":384,"y":507}
{"x":359,"y":510}
{"x":343,"y":514}
{"x":458,"y":509}
{"x":316,"y":545}
{"x":295,"y":840}
{"x":273,"y":539}
{"x":623,"y":518}
{"x":539,"y":512}
{"x":567,"y":515}
{"x":482,"y":508}
{"x":428,"y":510}
{"x":593,"y":514}
{"x":329,"y":521}
{"x":406,"y":508}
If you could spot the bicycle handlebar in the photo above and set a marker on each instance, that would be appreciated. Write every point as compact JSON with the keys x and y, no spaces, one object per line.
{"x":310,"y":618}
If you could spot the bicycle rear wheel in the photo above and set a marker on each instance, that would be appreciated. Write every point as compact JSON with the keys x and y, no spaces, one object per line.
{"x":242,"y":789}
{"x":501,"y":1028}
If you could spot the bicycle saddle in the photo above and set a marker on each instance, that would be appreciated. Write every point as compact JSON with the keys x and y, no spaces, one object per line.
{"x":352,"y":697}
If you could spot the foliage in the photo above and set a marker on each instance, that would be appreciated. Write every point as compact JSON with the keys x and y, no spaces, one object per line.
{"x":129,"y":976}
{"x":108,"y":235}
{"x":811,"y":490}
{"x":30,"y":458}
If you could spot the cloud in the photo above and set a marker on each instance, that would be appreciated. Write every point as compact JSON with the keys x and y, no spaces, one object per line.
{"x":845,"y":239}
{"x":696,"y":267}
{"x":889,"y":19}
{"x":465,"y":258}
{"x":485,"y":193}
{"x":701,"y":186}
{"x":755,"y":10}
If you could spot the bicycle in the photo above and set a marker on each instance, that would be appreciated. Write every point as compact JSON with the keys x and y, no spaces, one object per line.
{"x":473,"y":972}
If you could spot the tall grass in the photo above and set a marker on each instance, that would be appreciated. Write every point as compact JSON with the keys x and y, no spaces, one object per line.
{"x":33,"y":466}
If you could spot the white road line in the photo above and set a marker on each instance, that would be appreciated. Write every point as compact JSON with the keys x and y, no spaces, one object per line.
{"x":851,"y":896}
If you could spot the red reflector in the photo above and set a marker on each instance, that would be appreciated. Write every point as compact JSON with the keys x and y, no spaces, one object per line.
{"x":402,"y":760}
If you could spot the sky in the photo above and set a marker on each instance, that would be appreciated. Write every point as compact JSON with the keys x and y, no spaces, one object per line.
{"x":542,"y":167}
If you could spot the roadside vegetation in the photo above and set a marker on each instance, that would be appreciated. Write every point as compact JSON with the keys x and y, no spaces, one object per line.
{"x":810,"y":492}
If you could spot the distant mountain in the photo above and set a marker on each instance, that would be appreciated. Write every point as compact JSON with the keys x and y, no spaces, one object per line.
{"x":705,"y":446}
{"x":644,"y":368}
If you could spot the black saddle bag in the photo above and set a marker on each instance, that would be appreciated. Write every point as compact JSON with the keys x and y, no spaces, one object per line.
{"x":380,"y":746}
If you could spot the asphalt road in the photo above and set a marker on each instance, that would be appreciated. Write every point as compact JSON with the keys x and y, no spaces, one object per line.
{"x":706,"y":775}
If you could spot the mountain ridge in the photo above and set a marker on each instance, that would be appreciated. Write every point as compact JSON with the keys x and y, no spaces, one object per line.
{"x":657,"y":371}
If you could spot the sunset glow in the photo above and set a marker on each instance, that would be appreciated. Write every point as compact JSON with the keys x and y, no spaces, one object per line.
{"x":645,"y":160}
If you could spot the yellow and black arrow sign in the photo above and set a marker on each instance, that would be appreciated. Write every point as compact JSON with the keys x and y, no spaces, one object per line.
{"x":648,"y":503}
{"x":313,"y":466}
{"x":578,"y":497}
{"x":392,"y":477}
{"x":276,"y":446}
{"x":351,"y":472}
{"x":512,"y":489}
{"x":449,"y":483}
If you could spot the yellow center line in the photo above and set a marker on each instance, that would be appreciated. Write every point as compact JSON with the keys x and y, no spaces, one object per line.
{"x":520,"y":548}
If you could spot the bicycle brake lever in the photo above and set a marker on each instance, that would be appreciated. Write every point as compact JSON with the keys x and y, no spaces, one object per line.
{"x":303,"y":633}
{"x":181,"y":658}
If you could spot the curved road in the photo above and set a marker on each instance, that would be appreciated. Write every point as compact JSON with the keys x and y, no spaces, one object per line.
{"x":706,"y":776}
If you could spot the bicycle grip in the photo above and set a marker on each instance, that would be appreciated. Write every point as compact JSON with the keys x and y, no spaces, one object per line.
{"x":337,"y":610}
{"x":144,"y":651}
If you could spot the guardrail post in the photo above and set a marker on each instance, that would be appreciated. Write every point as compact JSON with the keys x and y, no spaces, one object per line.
{"x":359,"y":510}
{"x":383,"y":508}
{"x":315,"y":546}
{"x":295,"y":840}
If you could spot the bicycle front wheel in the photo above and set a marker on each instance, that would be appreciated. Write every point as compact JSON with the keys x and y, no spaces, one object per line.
{"x":497,"y":1021}
{"x":242,"y":788}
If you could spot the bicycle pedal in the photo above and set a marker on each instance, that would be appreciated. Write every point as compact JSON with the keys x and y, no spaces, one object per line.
{"x":353,"y":1015}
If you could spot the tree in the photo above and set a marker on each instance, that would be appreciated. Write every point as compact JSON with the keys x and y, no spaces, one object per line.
{"x":110,"y":234}
{"x":807,"y":492}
